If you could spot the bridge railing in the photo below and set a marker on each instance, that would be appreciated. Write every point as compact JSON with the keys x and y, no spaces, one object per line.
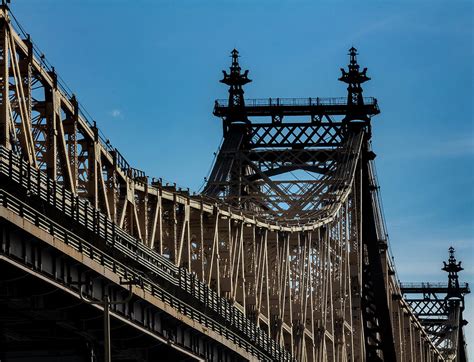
{"x":70,"y":239}
{"x":35,"y":183}
{"x":431,"y":285}
{"x":294,"y":102}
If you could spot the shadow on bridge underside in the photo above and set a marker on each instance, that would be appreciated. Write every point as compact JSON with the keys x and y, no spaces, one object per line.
{"x":43,"y":322}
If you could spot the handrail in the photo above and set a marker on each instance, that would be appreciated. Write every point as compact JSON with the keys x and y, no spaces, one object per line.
{"x":294,"y":102}
{"x":429,"y":285}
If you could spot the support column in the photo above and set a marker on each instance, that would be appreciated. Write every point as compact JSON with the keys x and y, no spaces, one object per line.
{"x":4,"y":85}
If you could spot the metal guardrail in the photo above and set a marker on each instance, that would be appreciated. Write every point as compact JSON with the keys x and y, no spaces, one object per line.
{"x":429,"y":285}
{"x":294,"y":102}
{"x":28,"y":213}
{"x":37,"y":184}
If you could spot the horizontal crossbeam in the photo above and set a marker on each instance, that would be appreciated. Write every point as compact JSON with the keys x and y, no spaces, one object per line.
{"x":295,"y":135}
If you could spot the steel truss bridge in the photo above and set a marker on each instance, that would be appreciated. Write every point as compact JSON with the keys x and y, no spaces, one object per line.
{"x":283,"y":255}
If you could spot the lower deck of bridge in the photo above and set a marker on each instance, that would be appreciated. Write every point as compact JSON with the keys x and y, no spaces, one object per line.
{"x":42,"y":323}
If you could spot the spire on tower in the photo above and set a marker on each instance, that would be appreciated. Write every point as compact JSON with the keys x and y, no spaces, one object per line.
{"x":452,"y":268}
{"x":235,"y":80}
{"x":354,"y":78}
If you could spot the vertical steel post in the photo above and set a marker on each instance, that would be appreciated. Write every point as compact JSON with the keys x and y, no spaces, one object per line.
{"x":107,"y":329}
{"x":106,"y":303}
{"x":4,"y":81}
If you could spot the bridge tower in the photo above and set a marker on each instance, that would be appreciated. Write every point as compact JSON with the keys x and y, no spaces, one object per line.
{"x":244,"y":176}
{"x":455,"y":345}
{"x":288,"y":170}
{"x":235,"y":137}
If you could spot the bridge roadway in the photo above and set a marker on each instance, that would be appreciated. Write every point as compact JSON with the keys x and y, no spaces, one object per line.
{"x":81,"y":246}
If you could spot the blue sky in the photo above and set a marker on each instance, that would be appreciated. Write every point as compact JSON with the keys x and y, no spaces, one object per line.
{"x":148,"y":72}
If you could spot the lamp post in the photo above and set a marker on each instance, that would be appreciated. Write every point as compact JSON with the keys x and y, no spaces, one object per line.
{"x":106,"y":302}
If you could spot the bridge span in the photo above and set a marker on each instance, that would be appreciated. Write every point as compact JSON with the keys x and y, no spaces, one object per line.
{"x":284,"y":255}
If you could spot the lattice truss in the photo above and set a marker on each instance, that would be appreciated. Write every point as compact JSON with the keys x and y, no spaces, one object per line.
{"x":441,"y":318}
{"x":294,"y":173}
{"x":434,"y":314}
{"x":278,"y":230}
{"x":43,"y":122}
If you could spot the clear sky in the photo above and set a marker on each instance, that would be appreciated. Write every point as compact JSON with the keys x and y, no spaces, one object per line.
{"x":148,"y":72}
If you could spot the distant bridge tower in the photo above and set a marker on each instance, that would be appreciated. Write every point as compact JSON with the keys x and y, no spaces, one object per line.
{"x":455,"y":349}
{"x":442,"y":317}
